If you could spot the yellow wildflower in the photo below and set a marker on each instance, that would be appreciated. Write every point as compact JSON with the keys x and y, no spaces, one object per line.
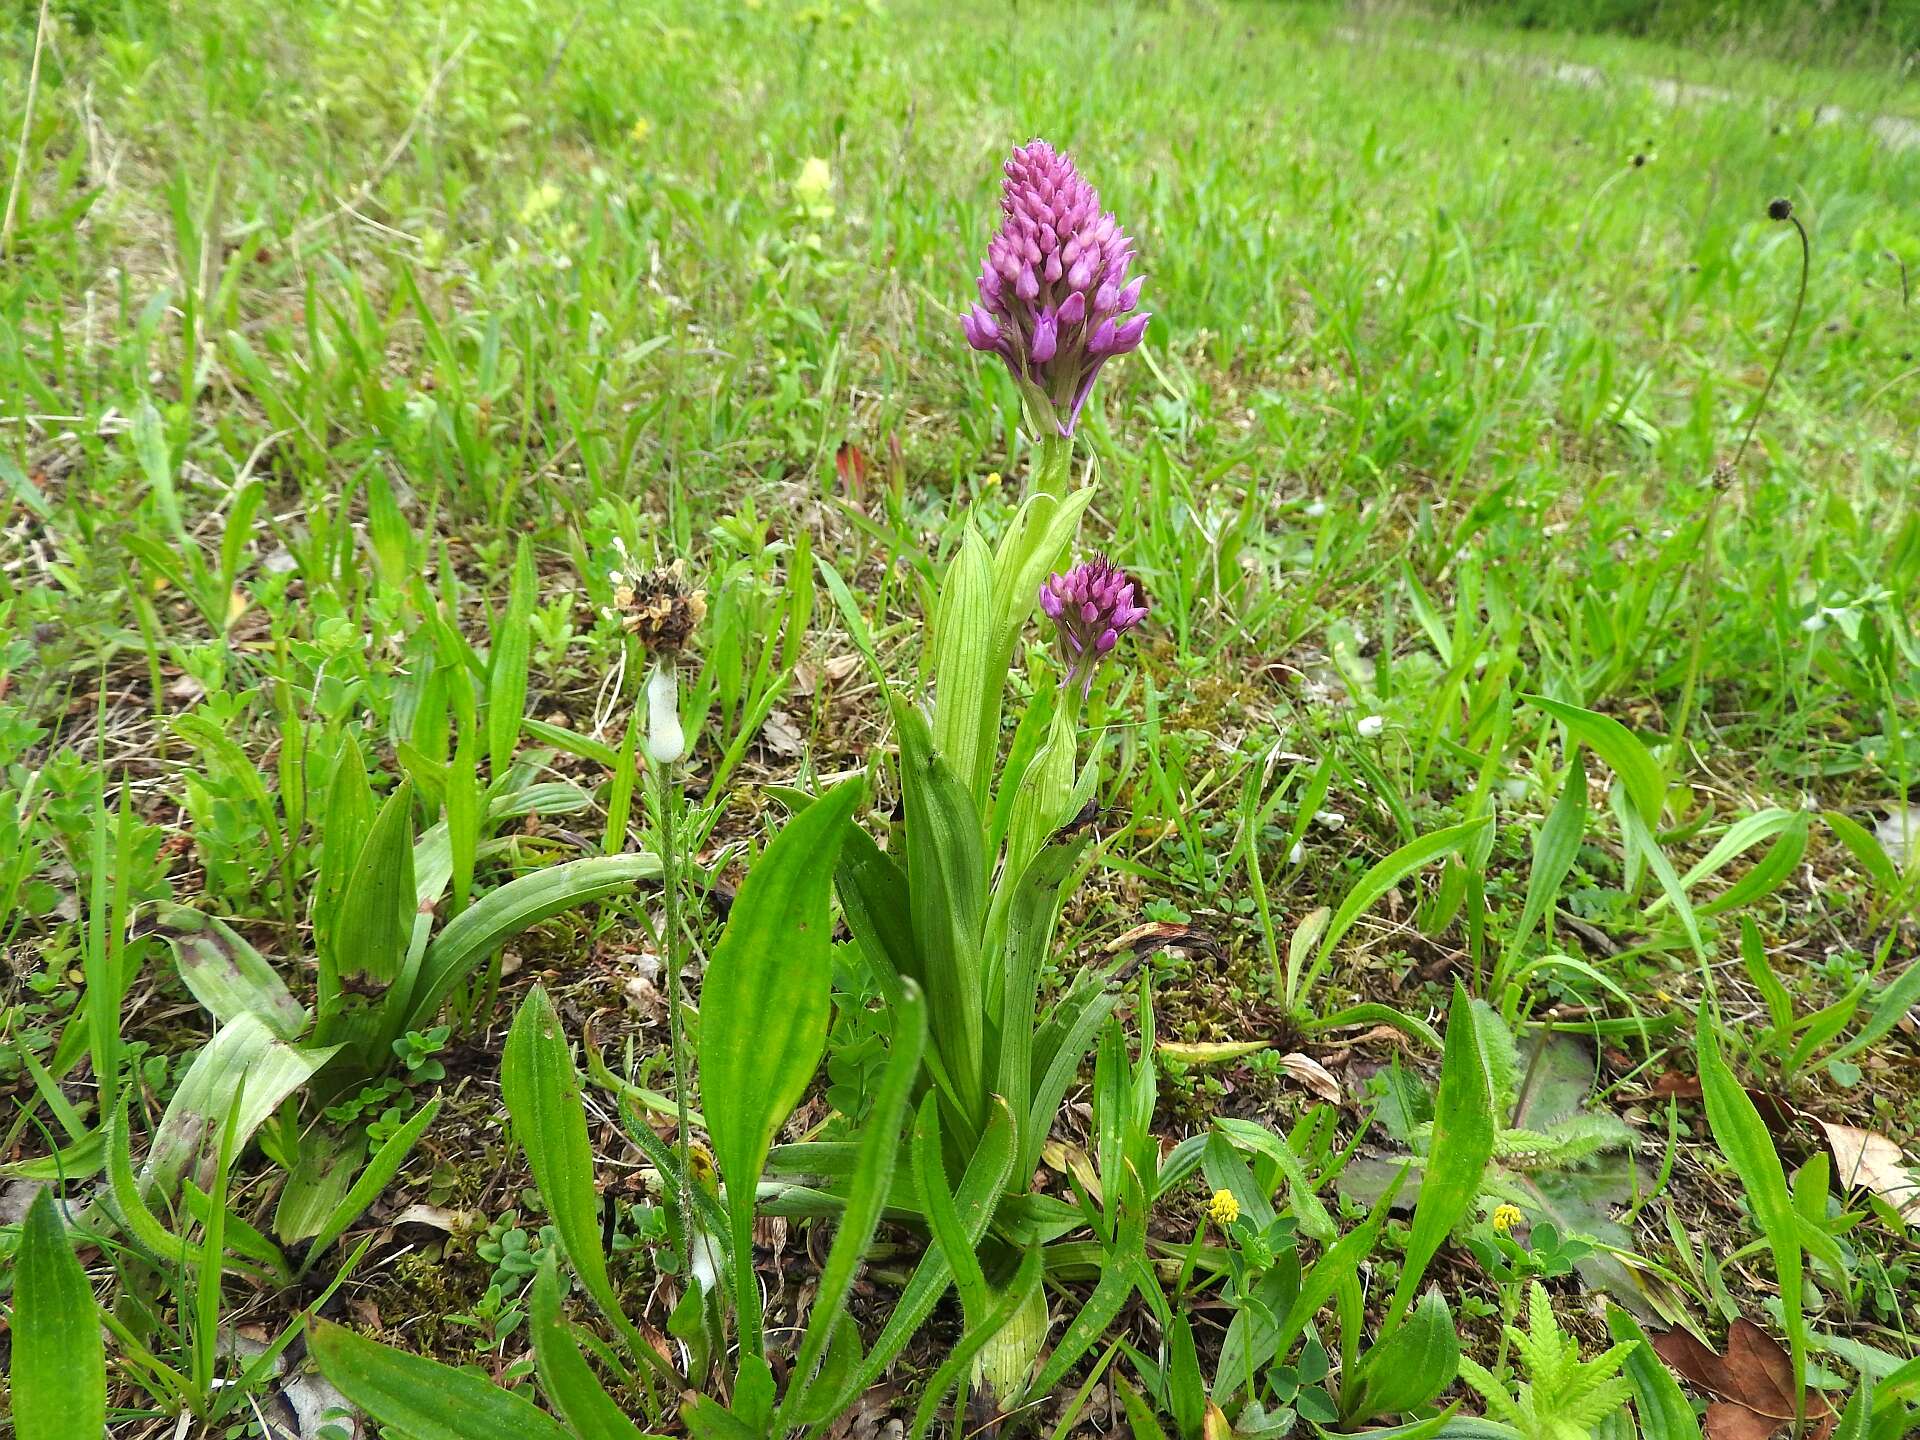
{"x":1223,"y":1209}
{"x":1505,"y":1217}
{"x":813,"y":188}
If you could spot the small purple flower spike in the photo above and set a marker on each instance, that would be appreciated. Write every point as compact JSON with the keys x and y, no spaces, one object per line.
{"x":1055,"y":301}
{"x":1092,"y":606}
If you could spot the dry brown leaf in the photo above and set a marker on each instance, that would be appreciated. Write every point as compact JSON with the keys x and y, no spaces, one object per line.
{"x":1165,"y":935}
{"x":1070,"y":1159}
{"x":440,"y":1218}
{"x":1753,"y":1380}
{"x":1727,"y":1421}
{"x":770,"y":1234}
{"x":1871,"y":1161}
{"x":781,"y":736}
{"x":1312,"y":1074}
{"x":1386,"y":1033}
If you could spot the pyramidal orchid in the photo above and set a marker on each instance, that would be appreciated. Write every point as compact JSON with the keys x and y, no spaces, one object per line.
{"x":1091,"y":606}
{"x":1055,"y":300}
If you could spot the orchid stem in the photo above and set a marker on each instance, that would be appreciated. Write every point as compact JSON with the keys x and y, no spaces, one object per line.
{"x":1053,"y":464}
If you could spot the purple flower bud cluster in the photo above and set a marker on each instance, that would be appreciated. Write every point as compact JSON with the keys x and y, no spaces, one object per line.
{"x":1091,"y":606}
{"x":1055,"y":301}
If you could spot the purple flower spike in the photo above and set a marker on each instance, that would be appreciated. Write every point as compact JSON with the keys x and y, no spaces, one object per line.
{"x":1092,"y":606}
{"x":1055,"y":301}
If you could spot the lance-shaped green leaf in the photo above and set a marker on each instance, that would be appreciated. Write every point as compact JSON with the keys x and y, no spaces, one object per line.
{"x":371,"y":928}
{"x":966,"y":691}
{"x":565,"y":1377}
{"x":422,"y":1398}
{"x":1463,"y":1136}
{"x":1657,"y":1398}
{"x":873,"y":897}
{"x":343,"y":830}
{"x":1022,"y":1294}
{"x":507,"y":664}
{"x":1554,"y":851}
{"x":58,"y":1373}
{"x":542,"y":1090}
{"x":1379,"y":879}
{"x":976,"y":1200}
{"x":1012,"y":979}
{"x":1639,"y":772}
{"x":1742,"y":1134}
{"x":876,"y":1156}
{"x":1411,"y":1365}
{"x":381,"y":1169}
{"x":763,"y":1011}
{"x":472,"y":936}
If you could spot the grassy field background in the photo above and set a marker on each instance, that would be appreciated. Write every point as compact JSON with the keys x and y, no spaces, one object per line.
{"x":309,"y":315}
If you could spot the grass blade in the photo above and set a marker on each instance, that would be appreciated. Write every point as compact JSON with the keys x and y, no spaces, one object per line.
{"x":1382,"y":877}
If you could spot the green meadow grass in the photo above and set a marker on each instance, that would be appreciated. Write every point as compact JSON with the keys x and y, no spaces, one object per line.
{"x":310,"y":314}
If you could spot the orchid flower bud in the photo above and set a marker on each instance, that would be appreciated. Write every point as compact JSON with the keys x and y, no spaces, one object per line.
{"x":1091,"y":606}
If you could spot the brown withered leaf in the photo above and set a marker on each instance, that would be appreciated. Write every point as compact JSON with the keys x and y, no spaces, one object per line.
{"x":1068,"y":1158}
{"x":1165,"y":935}
{"x":1312,"y":1074}
{"x":1753,"y":1381}
{"x":1871,"y":1161}
{"x":781,"y":736}
{"x":1727,"y":1421}
{"x":1781,"y":1118}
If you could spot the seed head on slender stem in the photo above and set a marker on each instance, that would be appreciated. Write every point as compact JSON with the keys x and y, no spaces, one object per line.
{"x":1779,"y":209}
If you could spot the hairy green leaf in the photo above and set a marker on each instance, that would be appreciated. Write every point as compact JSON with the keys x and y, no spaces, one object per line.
{"x":565,"y":1377}
{"x":764,"y":1008}
{"x":422,"y":1398}
{"x":58,"y":1371}
{"x":542,"y":1092}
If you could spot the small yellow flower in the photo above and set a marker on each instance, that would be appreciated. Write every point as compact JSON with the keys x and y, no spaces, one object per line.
{"x":994,"y":478}
{"x":1505,"y":1217}
{"x":1223,"y":1209}
{"x":642,"y":128}
{"x":813,"y":188}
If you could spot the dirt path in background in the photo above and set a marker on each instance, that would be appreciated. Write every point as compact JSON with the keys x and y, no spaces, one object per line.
{"x":1895,"y":131}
